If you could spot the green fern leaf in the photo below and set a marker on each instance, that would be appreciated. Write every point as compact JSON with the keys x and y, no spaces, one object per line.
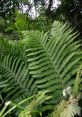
{"x":52,"y":60}
{"x":14,"y":76}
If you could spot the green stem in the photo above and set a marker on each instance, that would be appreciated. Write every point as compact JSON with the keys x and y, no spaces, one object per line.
{"x":17,"y":105}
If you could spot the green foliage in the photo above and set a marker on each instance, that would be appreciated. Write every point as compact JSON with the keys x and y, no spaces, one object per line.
{"x":5,"y":45}
{"x":40,"y":61}
{"x":34,"y":105}
{"x":77,"y":85}
{"x":52,"y":59}
{"x":14,"y":74}
{"x":67,"y":109}
{"x":20,"y":23}
{"x":34,"y":108}
{"x":41,"y":23}
{"x":4,"y":109}
{"x":1,"y":25}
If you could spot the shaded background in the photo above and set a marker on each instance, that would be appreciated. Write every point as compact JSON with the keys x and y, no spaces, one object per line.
{"x":38,"y":14}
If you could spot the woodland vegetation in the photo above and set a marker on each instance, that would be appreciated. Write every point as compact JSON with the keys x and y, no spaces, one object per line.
{"x":40,"y":58}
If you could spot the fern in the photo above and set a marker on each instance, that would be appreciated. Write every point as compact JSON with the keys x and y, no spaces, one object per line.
{"x":46,"y":61}
{"x":14,"y":78}
{"x":77,"y":85}
{"x":34,"y":107}
{"x":66,"y":109}
{"x":71,"y":110}
{"x":69,"y":107}
{"x":53,"y":59}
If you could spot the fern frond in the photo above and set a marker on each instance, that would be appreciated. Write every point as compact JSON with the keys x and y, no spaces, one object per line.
{"x":14,"y":78}
{"x":65,"y":108}
{"x":43,"y":62}
{"x":77,"y":83}
{"x":34,"y":108}
{"x":71,"y":110}
{"x":52,"y":60}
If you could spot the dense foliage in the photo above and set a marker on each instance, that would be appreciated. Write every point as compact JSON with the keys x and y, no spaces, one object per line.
{"x":39,"y":14}
{"x":36,"y":69}
{"x":40,"y":59}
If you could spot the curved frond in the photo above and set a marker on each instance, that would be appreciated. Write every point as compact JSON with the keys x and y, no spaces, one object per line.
{"x":14,"y":78}
{"x":45,"y":62}
{"x":53,"y":60}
